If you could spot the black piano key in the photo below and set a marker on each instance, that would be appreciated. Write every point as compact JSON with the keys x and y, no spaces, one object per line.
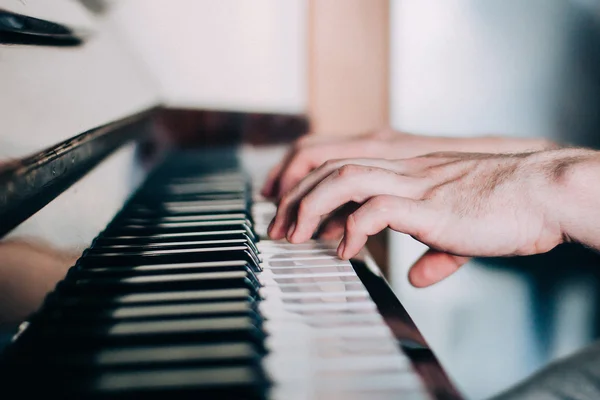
{"x":232,"y":253}
{"x":194,"y":191}
{"x":157,"y":269}
{"x":127,"y":216}
{"x":209,"y":203}
{"x":234,"y":234}
{"x":76,"y":336}
{"x":180,"y":227}
{"x":139,"y":357}
{"x":223,"y":382}
{"x":174,"y":178}
{"x":199,"y":205}
{"x":189,"y":209}
{"x":204,"y":185}
{"x":230,"y":353}
{"x":154,"y":283}
{"x":123,"y":248}
{"x":102,"y":316}
{"x":186,"y":218}
{"x":207,"y":229}
{"x":167,"y":194}
{"x":160,"y":212}
{"x":83,"y":314}
{"x":210,"y":295}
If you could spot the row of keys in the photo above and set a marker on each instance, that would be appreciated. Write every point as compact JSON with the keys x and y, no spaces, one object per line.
{"x":163,"y":302}
{"x":179,"y":297}
{"x":326,"y":338}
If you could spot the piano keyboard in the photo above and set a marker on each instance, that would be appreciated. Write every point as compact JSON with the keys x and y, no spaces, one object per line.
{"x":180,"y":297}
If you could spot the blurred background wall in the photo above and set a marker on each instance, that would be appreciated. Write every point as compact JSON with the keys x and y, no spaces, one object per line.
{"x":226,"y":54}
{"x":465,"y":68}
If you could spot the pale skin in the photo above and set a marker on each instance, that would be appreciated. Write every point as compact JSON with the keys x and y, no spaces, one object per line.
{"x":459,"y":204}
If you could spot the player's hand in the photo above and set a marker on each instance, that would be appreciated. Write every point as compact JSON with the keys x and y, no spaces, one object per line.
{"x":311,"y":151}
{"x":459,"y":204}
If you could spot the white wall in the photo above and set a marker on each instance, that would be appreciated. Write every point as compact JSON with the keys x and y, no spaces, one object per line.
{"x":466,"y":67}
{"x":49,"y":94}
{"x":226,"y":54}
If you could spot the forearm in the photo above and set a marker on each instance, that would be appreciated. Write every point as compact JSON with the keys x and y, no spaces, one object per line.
{"x":576,"y":183}
{"x":397,"y":145}
{"x":495,"y":144}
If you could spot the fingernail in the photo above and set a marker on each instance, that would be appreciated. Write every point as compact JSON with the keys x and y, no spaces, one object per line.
{"x":290,"y":231}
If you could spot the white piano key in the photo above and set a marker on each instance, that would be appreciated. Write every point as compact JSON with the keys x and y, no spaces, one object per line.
{"x":303,"y":263}
{"x":316,"y":275}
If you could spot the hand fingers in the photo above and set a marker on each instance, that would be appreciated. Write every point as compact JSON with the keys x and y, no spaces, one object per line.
{"x":268,"y":189}
{"x":272,"y":183}
{"x":401,"y":214}
{"x":433,"y":267}
{"x":271,"y":187}
{"x":288,"y":204}
{"x":300,"y":165}
{"x":314,"y":149}
{"x":309,"y":158}
{"x":349,"y":183}
{"x":332,"y":227}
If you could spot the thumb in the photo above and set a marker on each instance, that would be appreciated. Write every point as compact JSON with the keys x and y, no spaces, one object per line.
{"x":434,"y":266}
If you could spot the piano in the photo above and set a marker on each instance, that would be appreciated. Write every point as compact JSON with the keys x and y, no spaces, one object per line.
{"x":182,"y":294}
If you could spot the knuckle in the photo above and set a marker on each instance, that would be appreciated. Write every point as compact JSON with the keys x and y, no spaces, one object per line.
{"x":348,"y":170}
{"x":380,"y":203}
{"x":285,"y":200}
{"x":351,"y":223}
{"x":430,"y":194}
{"x":304,"y":207}
{"x":331,"y":163}
{"x":433,"y":191}
{"x":426,"y":236}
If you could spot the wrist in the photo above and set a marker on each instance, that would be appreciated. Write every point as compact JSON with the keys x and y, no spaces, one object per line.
{"x":574,"y":196}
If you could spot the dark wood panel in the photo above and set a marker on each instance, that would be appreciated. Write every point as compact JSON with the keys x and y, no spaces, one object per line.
{"x":28,"y":184}
{"x":196,"y":128}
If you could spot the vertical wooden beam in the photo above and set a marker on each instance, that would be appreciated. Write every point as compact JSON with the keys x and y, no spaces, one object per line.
{"x":348,"y":76}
